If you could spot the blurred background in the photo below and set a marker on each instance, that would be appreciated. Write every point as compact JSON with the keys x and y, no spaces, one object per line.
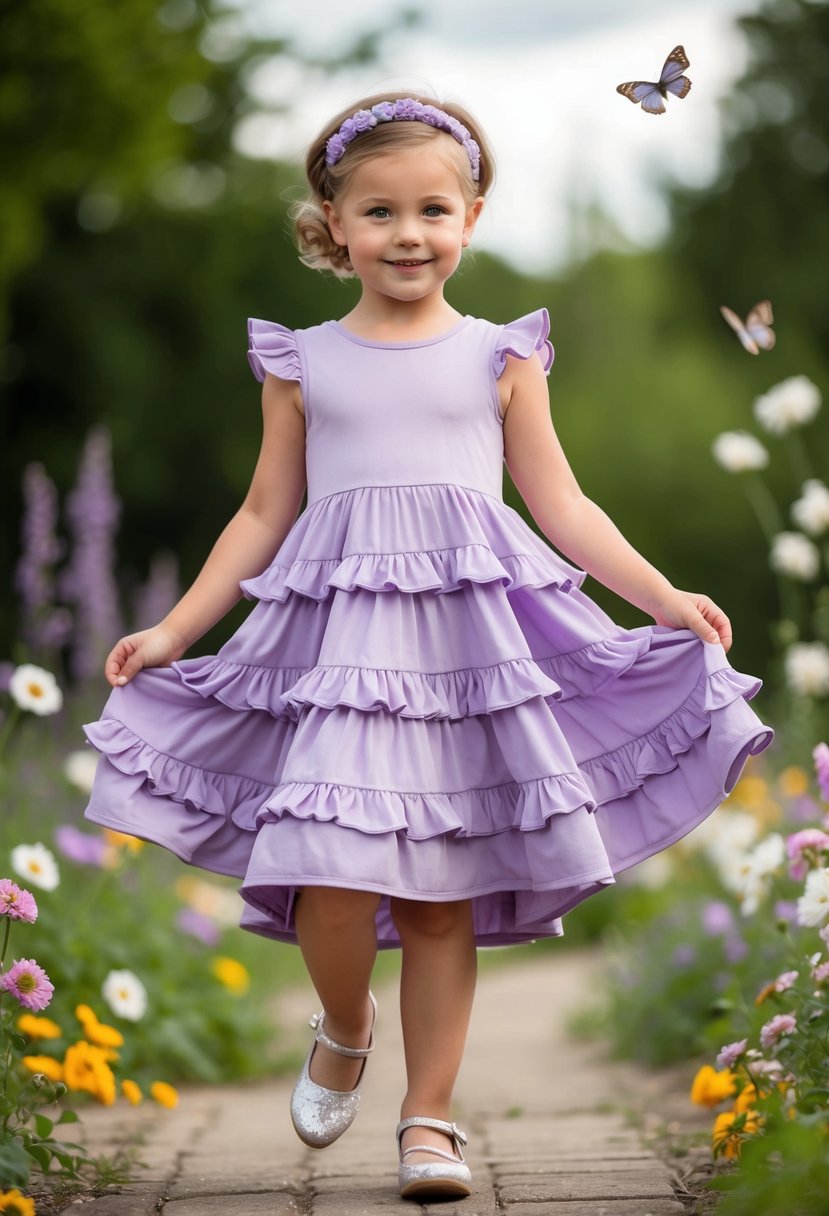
{"x":150,"y":151}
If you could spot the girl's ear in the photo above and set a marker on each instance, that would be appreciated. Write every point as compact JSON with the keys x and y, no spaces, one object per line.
{"x":334,"y":223}
{"x":471,"y":220}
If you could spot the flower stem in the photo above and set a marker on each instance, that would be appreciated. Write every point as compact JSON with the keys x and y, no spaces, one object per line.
{"x":798,"y":457}
{"x":8,"y":930}
{"x":764,"y":505}
{"x":8,"y":727}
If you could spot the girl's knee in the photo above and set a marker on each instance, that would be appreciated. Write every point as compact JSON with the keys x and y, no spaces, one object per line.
{"x":419,"y":917}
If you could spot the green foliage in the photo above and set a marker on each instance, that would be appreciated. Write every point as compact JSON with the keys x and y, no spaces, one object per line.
{"x":781,"y":1173}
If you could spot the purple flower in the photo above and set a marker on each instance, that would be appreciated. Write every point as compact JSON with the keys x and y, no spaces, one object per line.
{"x":735,"y":948}
{"x":364,"y":120}
{"x":717,"y":917}
{"x":29,"y":984}
{"x":7,"y":670}
{"x":820,"y":755}
{"x":347,"y":131}
{"x":407,"y":109}
{"x":684,"y":956}
{"x":805,"y":850}
{"x":79,"y":846}
{"x":432,"y":116}
{"x":730,"y":1054}
{"x":785,"y":981}
{"x":88,"y":582}
{"x":383,"y":111}
{"x":41,"y":549}
{"x":17,"y":903}
{"x":160,"y":592}
{"x":781,"y":1024}
{"x":334,"y":150}
{"x":198,"y":925}
{"x":786,"y":910}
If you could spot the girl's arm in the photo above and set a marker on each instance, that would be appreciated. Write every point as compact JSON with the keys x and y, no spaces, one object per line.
{"x":575,"y":524}
{"x":246,"y":546}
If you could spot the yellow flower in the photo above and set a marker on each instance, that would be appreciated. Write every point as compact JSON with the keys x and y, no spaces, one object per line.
{"x":726,"y":1139}
{"x":750,"y":792}
{"x":15,"y":1204}
{"x":765,"y":992}
{"x":98,"y":1032}
{"x":234,"y":975}
{"x":85,"y":1067}
{"x":48,"y":1065}
{"x":121,"y":841}
{"x":710,"y":1087}
{"x":164,"y":1094}
{"x":746,"y":1098}
{"x":793,"y":782}
{"x":38,"y":1028}
{"x":131,"y":1092}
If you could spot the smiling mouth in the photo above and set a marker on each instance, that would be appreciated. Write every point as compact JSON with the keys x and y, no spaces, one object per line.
{"x":409,"y":261}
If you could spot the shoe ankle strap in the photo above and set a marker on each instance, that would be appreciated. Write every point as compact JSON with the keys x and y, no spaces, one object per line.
{"x":317,"y":1023}
{"x":439,"y":1125}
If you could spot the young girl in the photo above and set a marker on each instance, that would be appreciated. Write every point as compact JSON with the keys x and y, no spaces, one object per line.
{"x":425,"y":734}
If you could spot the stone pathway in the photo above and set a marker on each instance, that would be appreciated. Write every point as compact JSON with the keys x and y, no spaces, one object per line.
{"x":544,"y":1116}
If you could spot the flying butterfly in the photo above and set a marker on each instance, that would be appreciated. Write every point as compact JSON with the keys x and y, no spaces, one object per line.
{"x":756,"y":331}
{"x":651,"y":93}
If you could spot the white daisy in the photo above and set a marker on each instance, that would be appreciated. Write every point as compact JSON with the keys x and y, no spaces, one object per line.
{"x":36,"y":864}
{"x":807,"y":669}
{"x":125,"y":995}
{"x":813,"y":905}
{"x":794,"y":555}
{"x":79,"y":768}
{"x":811,"y":511}
{"x":738,"y":452}
{"x":791,"y":403}
{"x":35,"y":689}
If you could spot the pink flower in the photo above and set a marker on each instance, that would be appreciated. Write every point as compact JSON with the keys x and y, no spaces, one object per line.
{"x":16,"y":903}
{"x":785,"y":981}
{"x":805,"y":850}
{"x":730,"y":1054}
{"x":820,"y":973}
{"x":29,"y":983}
{"x":782,"y":1024}
{"x":821,"y":758}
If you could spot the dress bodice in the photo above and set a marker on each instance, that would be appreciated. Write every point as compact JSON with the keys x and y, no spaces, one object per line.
{"x":400,"y":413}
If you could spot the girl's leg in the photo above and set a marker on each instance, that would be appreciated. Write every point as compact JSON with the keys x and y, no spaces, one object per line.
{"x":338,"y":939}
{"x":437,"y":987}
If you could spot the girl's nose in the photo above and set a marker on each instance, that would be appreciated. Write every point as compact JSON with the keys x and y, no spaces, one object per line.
{"x":407,"y":233}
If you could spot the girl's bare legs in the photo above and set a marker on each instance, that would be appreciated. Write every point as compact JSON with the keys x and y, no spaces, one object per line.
{"x":338,"y":939}
{"x":437,"y":987}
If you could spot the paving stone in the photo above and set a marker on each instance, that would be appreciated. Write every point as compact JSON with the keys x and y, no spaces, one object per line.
{"x":648,"y":1184}
{"x":239,"y":1204}
{"x":137,"y":1201}
{"x":524,"y":1171}
{"x":621,"y":1207}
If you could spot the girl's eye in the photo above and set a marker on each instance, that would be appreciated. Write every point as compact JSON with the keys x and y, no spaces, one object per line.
{"x":434,"y":210}
{"x":380,"y":213}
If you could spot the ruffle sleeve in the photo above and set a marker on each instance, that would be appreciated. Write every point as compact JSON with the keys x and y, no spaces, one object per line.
{"x":523,"y":338}
{"x":273,"y":348}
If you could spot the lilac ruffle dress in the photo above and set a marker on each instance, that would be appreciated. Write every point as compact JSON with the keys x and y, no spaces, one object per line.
{"x":423,"y":702}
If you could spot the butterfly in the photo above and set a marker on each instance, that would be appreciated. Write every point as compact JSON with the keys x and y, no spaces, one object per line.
{"x":757,"y":331}
{"x":671,"y":80}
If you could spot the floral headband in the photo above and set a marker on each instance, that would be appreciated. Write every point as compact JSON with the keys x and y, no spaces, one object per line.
{"x":404,"y":110}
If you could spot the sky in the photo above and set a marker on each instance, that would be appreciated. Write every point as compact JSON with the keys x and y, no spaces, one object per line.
{"x":540,"y":76}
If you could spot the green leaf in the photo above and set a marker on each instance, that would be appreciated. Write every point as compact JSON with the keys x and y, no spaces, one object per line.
{"x":68,"y":1116}
{"x":14,"y":1164}
{"x":40,"y":1154}
{"x":44,"y":1126}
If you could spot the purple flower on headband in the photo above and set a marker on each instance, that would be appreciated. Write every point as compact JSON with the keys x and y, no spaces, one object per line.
{"x":348,"y":130}
{"x":431,"y":116}
{"x":474,"y":154}
{"x":364,"y":120}
{"x":407,"y":109}
{"x":334,"y":149}
{"x":456,"y":129}
{"x":383,"y":111}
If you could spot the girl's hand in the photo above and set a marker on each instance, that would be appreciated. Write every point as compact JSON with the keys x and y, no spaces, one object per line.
{"x":689,"y":610}
{"x":156,"y":647}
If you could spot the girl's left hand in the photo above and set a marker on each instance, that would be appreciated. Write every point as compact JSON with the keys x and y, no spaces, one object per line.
{"x":689,"y":610}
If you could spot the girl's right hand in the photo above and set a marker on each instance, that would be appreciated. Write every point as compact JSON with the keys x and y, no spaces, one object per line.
{"x":156,"y":647}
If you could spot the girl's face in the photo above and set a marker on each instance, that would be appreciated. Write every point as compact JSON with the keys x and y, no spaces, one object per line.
{"x":405,"y":220}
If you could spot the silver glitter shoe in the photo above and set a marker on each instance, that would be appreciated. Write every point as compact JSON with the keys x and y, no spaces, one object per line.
{"x":320,"y":1115}
{"x":428,"y":1180}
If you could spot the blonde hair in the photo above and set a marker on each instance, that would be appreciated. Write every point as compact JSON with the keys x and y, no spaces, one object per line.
{"x":317,"y":247}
